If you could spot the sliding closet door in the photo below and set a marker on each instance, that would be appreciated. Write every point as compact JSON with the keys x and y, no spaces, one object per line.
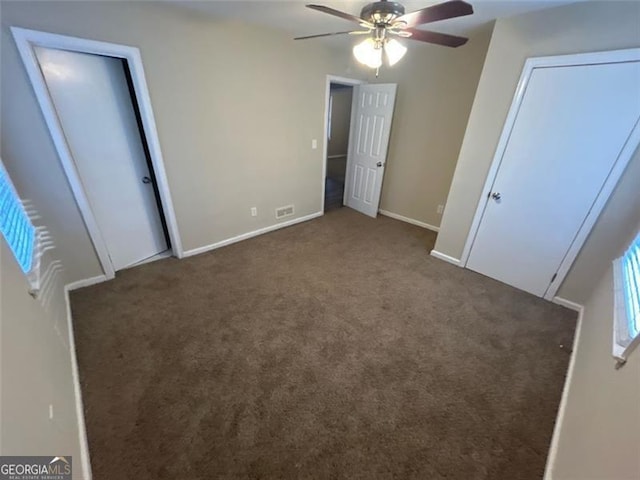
{"x":569,"y":131}
{"x":94,"y":106}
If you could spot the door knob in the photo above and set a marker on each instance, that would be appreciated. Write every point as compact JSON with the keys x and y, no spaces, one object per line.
{"x":379,"y":164}
{"x":146,"y":180}
{"x":496,"y":196}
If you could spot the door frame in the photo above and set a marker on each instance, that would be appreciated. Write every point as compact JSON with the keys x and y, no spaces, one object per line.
{"x":632,"y":142}
{"x":25,"y":41}
{"x":325,"y":143}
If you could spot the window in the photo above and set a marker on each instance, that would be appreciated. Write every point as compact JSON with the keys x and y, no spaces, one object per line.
{"x":627,"y":300}
{"x":631,"y":268}
{"x":15,"y":225}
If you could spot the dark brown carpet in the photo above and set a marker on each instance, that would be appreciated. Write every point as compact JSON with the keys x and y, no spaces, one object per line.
{"x":337,"y":348}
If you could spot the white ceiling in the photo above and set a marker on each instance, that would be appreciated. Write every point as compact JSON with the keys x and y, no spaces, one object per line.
{"x":293,"y":17}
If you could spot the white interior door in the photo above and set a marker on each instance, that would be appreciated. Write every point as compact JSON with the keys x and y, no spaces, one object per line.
{"x":372,"y":113}
{"x":569,"y":131}
{"x":94,"y":106}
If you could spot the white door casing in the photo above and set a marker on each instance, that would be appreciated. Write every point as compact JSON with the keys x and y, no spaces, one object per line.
{"x":94,"y":107}
{"x":372,"y":114}
{"x":25,"y":41}
{"x":567,"y":137}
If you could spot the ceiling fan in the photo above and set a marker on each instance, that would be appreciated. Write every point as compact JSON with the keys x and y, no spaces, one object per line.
{"x":383,"y":20}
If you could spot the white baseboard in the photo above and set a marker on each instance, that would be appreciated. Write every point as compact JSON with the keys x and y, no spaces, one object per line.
{"x":82,"y":429}
{"x":568,"y":303}
{"x":553,"y":448}
{"x":412,"y":221}
{"x":86,"y":282}
{"x":255,"y":233}
{"x":446,"y":258}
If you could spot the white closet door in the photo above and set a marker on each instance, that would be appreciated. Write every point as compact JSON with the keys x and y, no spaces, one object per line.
{"x":369,"y":140}
{"x":572,"y":124}
{"x":95,"y":109}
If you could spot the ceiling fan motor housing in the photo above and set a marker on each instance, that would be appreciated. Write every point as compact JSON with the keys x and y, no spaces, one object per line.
{"x":382,"y":13}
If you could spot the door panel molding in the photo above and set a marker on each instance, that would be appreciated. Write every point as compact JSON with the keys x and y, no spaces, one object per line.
{"x":25,"y":41}
{"x":615,"y":56}
{"x":371,"y":118}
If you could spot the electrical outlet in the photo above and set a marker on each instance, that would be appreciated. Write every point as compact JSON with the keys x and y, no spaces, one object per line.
{"x":50,"y":411}
{"x":440,"y":209}
{"x":314,"y":144}
{"x":254,"y":212}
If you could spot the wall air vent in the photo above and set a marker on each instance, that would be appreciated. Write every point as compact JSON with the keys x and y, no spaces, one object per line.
{"x":286,"y":211}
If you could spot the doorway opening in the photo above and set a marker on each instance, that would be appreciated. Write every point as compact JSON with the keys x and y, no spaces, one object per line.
{"x":338,"y":127}
{"x":359,"y":174}
{"x":338,"y":109}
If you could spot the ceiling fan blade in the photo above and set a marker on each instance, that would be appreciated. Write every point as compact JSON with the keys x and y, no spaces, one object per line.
{"x":338,"y":13}
{"x":442,"y":11}
{"x":435,"y":37}
{"x":327,"y":35}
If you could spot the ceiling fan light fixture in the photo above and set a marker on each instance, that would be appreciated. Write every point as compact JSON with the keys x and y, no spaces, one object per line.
{"x":394,"y":51}
{"x":383,"y":19}
{"x":369,"y":53}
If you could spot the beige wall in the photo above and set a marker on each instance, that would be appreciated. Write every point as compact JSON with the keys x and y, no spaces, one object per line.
{"x":616,"y":225}
{"x":35,"y":369}
{"x":582,"y":27}
{"x":436,"y":87}
{"x":600,"y":432}
{"x":236,"y":108}
{"x":340,"y":121}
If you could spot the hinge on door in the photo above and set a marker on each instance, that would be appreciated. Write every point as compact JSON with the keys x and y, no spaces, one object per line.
{"x":554,"y":277}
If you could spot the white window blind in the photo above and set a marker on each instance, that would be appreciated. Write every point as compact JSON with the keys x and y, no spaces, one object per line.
{"x":15,"y":224}
{"x":627,"y":300}
{"x":631,"y":272}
